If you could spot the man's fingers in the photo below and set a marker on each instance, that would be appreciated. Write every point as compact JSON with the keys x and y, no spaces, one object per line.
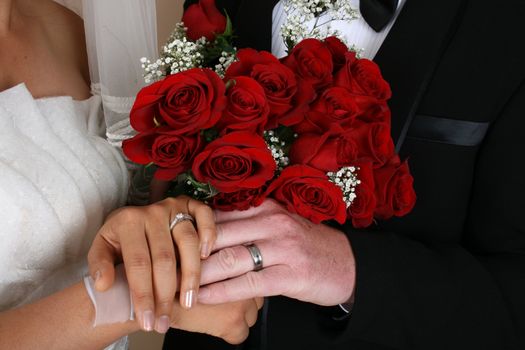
{"x":101,"y":261}
{"x":267,"y":205}
{"x":235,"y":261}
{"x":164,"y":271}
{"x":205,"y":219}
{"x":239,"y":232}
{"x":187,"y":241}
{"x":271,"y":281}
{"x":137,"y":261}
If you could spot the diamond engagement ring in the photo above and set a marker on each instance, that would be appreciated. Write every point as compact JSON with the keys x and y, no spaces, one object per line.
{"x":180,"y":217}
{"x":256,"y":256}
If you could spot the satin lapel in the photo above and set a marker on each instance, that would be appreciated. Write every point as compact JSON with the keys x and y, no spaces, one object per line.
{"x":254,"y":23}
{"x":411,"y":53}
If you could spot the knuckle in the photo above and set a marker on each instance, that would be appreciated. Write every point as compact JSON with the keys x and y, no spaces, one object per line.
{"x":227,"y":258}
{"x":139,"y":262}
{"x":142,"y":297}
{"x":163,"y":305}
{"x":253,"y":280}
{"x":164,"y":259}
{"x":128,"y":214}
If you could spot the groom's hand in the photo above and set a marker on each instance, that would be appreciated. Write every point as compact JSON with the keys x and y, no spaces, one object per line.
{"x":312,"y":263}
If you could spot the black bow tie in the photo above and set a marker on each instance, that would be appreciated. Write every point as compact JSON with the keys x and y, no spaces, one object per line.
{"x":378,"y":13}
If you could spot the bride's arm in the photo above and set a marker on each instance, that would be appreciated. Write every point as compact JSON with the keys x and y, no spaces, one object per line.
{"x":64,"y":321}
{"x":61,"y":321}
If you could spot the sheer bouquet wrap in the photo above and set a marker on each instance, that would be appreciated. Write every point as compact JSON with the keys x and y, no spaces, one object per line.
{"x":234,"y":127}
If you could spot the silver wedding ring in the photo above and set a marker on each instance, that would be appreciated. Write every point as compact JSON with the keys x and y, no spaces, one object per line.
{"x":256,"y":256}
{"x":180,"y":217}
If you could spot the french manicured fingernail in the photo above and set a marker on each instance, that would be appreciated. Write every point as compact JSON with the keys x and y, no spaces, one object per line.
{"x":148,"y":319}
{"x":189,"y":298}
{"x":204,"y":250}
{"x":163,"y":324}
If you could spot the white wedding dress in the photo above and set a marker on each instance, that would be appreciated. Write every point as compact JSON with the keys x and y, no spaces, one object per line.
{"x":60,"y":178}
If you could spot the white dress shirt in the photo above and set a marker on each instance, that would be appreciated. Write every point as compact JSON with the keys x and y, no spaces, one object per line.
{"x":356,"y":32}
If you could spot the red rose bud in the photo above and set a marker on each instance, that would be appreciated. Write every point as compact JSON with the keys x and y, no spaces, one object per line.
{"x":338,"y":49}
{"x":288,"y":98}
{"x":240,"y":200}
{"x":187,"y":102}
{"x":204,"y":20}
{"x":247,"y":108}
{"x":240,"y":160}
{"x":363,"y":207}
{"x":308,"y":192}
{"x":172,"y":153}
{"x":394,"y":189}
{"x":335,"y":106}
{"x":311,"y":61}
{"x":362,"y":77}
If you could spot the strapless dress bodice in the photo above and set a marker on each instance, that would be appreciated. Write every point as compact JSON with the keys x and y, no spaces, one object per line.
{"x":59,"y":178}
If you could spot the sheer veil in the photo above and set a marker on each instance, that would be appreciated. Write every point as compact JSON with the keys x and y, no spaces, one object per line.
{"x":118,"y":34}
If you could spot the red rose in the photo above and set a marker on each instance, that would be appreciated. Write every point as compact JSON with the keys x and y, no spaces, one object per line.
{"x":235,"y":161}
{"x":394,"y":189}
{"x":204,"y":20}
{"x":240,"y":200}
{"x":362,"y":77}
{"x":338,"y":50}
{"x":311,"y":60}
{"x":287,"y":97}
{"x":338,"y":147}
{"x":374,"y":141}
{"x":187,"y":102}
{"x":308,"y":192}
{"x":363,"y":207}
{"x":327,"y":152}
{"x":172,"y":153}
{"x":335,"y":106}
{"x":373,"y":110}
{"x":247,"y":108}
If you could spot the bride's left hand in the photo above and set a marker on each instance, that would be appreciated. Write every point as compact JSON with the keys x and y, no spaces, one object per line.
{"x":141,"y":238}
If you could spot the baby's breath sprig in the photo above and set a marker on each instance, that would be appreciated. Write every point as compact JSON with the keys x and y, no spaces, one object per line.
{"x":278,"y":149}
{"x":346,"y":179}
{"x":180,"y":54}
{"x":300,"y":14}
{"x":279,"y":141}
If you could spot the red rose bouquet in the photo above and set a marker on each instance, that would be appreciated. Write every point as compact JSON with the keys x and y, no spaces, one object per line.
{"x":234,"y":127}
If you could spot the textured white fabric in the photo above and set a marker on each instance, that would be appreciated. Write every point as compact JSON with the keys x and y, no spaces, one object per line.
{"x":60,"y":178}
{"x":356,"y":32}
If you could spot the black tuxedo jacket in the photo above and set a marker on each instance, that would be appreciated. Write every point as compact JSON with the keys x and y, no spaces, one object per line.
{"x":451,"y":275}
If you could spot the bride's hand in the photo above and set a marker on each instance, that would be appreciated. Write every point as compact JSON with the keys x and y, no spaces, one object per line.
{"x":141,"y":238}
{"x":230,"y":322}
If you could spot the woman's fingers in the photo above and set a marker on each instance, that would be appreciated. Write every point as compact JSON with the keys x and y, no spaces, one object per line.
{"x":205,"y":219}
{"x":137,"y":261}
{"x":164,"y":266}
{"x":188,"y":245}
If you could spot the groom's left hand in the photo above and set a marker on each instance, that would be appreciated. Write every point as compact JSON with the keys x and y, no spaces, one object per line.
{"x":312,"y":263}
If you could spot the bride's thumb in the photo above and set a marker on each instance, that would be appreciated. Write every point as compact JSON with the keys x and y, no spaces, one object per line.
{"x":101,"y":264}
